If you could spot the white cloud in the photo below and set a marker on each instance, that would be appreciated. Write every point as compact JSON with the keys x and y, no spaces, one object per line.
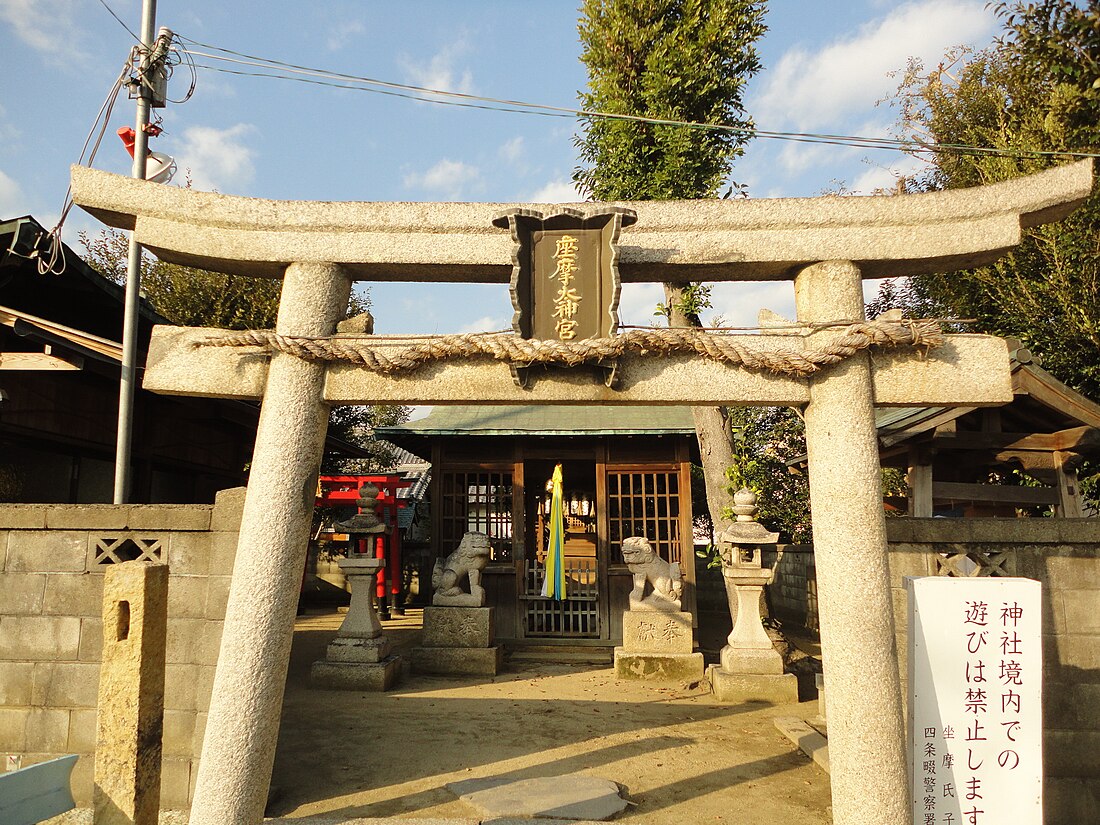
{"x":512,"y":150}
{"x":9,"y":132}
{"x":487,"y":323}
{"x":46,"y":25}
{"x":637,"y":303}
{"x":440,"y":71}
{"x":217,"y":158}
{"x":796,"y":157}
{"x":884,"y":177}
{"x":13,"y":203}
{"x":556,"y":191}
{"x":808,"y":90}
{"x":343,"y":33}
{"x":448,"y":179}
{"x":738,"y":303}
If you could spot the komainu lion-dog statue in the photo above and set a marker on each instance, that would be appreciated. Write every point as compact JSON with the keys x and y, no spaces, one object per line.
{"x":465,"y":563}
{"x":664,"y":580}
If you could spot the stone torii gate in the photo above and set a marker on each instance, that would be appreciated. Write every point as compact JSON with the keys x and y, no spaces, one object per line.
{"x":824,"y":245}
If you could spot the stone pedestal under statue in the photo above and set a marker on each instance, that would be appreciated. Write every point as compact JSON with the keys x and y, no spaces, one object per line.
{"x":458,"y":641}
{"x":458,"y":628}
{"x":751,"y":669}
{"x":657,"y":645}
{"x":359,"y":658}
{"x":658,"y":642}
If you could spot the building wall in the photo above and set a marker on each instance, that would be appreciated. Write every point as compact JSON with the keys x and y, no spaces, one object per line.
{"x":51,"y":588}
{"x":1062,"y":554}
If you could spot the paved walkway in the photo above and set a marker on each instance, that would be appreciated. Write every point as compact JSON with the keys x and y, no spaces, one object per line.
{"x":680,"y":757}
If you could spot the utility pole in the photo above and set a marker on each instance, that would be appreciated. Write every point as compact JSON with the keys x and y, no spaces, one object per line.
{"x":150,"y":93}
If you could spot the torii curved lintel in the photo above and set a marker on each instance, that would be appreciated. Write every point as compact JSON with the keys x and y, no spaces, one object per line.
{"x":673,"y":241}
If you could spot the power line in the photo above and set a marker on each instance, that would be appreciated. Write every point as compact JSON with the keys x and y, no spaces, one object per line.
{"x":385,"y":92}
{"x":322,"y":77}
{"x":119,"y":19}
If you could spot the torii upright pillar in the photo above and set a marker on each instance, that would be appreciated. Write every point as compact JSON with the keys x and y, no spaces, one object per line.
{"x":866,"y":729}
{"x":246,"y":703}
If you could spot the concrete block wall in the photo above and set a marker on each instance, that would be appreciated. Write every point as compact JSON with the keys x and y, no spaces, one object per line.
{"x":1064,"y":555}
{"x":793,"y":591}
{"x":51,"y":634}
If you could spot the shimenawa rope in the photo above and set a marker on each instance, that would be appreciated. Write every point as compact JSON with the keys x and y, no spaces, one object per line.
{"x":738,"y":350}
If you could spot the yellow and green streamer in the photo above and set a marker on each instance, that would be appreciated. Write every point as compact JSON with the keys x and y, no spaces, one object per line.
{"x":553,"y":586}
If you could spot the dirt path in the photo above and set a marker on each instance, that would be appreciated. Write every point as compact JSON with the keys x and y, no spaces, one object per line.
{"x":680,"y":756}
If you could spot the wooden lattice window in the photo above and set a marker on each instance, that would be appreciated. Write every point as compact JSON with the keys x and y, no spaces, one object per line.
{"x":478,"y":501}
{"x":644,"y":504}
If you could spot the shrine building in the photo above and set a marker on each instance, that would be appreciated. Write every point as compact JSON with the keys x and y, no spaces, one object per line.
{"x":626,"y":472}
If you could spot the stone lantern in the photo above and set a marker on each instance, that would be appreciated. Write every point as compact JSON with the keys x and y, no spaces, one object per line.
{"x":359,"y":658}
{"x":751,"y":668}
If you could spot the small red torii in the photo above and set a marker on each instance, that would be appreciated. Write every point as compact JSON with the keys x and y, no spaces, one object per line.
{"x":343,"y":490}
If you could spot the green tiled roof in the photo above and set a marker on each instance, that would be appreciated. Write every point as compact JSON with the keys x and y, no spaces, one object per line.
{"x":556,"y":420}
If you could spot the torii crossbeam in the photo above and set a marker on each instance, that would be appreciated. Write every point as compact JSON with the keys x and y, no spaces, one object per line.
{"x":824,"y":245}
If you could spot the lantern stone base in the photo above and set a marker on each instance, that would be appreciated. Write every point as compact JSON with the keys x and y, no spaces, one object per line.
{"x":658,"y":667}
{"x":769,"y":688}
{"x":376,"y":676}
{"x":357,"y":651}
{"x":359,"y":657}
{"x":458,"y":641}
{"x":752,"y":660}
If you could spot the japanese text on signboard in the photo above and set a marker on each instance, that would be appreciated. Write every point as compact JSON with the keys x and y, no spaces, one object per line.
{"x":568,"y":298}
{"x":976,"y":690}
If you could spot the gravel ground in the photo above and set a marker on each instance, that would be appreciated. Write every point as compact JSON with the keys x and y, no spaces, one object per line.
{"x":679,"y":756}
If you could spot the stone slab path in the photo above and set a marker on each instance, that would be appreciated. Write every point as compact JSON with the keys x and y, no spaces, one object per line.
{"x":572,"y":797}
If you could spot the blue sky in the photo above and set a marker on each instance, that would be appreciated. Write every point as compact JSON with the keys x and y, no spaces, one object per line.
{"x":826,"y":66}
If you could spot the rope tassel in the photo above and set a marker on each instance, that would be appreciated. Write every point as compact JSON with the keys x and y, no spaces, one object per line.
{"x":736,"y":350}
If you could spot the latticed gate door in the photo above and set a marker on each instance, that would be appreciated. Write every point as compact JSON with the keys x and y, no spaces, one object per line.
{"x":576,"y":616}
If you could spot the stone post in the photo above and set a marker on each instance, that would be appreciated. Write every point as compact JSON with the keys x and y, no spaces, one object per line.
{"x":243,"y":723}
{"x":866,"y":730}
{"x":131,"y":695}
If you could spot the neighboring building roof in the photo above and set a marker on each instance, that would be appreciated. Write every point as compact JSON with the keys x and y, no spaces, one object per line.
{"x":412,"y":468}
{"x":546,"y":420}
{"x":59,"y":339}
{"x":1042,"y":404}
{"x":91,"y":303}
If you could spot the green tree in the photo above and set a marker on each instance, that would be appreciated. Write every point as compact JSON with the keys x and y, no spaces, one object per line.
{"x":197,"y":298}
{"x":684,"y":60}
{"x":767,"y":440}
{"x":186,"y":296}
{"x":355,"y":424}
{"x":1036,"y":89}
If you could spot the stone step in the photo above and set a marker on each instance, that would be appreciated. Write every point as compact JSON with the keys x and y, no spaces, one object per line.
{"x":806,"y":738}
{"x":563,"y":654}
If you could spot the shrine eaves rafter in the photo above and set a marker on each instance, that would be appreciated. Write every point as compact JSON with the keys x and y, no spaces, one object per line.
{"x":673,"y":241}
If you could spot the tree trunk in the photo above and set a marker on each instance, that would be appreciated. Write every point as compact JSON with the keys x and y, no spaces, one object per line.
{"x":711,"y":427}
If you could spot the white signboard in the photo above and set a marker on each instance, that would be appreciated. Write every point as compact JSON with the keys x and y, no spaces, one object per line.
{"x":975,"y":691}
